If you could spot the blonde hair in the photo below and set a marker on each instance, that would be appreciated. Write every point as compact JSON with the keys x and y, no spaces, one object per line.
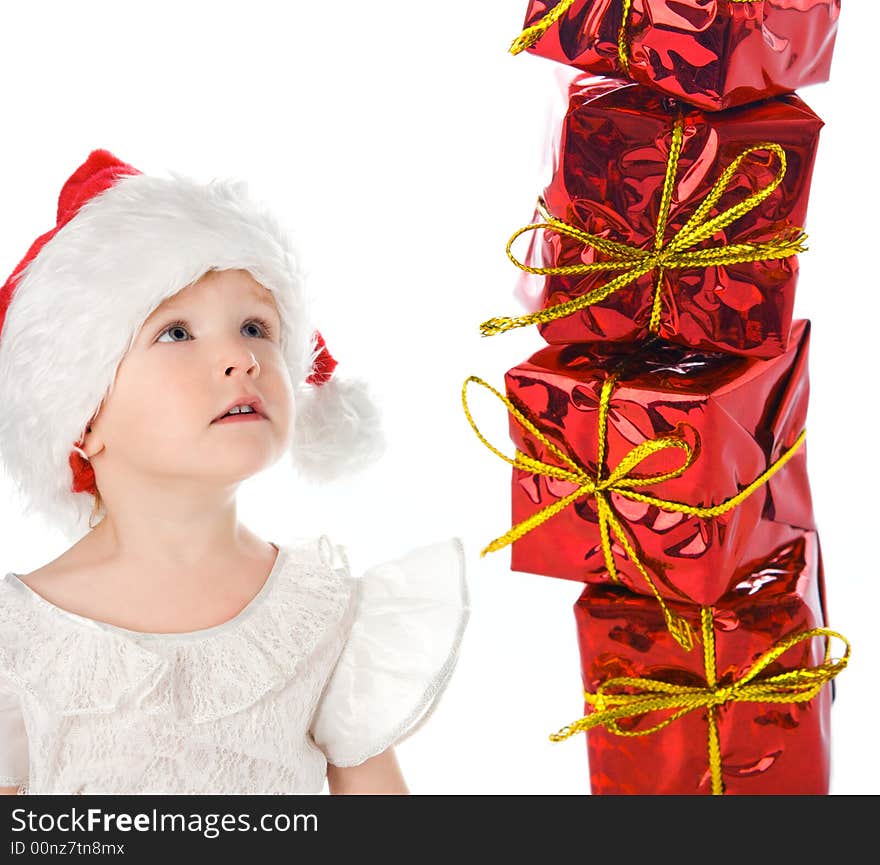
{"x":96,"y":509}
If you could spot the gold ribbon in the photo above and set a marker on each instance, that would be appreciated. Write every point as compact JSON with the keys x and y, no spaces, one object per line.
{"x":532,"y":34}
{"x":635,"y":262}
{"x":651,"y":695}
{"x":621,"y":481}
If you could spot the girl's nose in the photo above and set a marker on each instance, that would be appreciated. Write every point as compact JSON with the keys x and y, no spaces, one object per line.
{"x":243,"y":360}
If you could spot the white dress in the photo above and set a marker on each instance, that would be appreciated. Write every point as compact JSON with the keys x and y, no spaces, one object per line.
{"x":319,"y":667}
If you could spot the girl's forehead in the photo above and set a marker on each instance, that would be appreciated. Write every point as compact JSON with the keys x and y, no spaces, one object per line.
{"x":230,"y":284}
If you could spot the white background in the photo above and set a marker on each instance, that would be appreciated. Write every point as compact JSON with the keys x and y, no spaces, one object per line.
{"x":402,"y":144}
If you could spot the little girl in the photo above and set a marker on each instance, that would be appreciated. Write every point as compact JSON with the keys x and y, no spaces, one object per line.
{"x":155,"y":351}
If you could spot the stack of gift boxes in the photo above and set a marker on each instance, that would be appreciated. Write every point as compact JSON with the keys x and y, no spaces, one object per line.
{"x":660,"y":436}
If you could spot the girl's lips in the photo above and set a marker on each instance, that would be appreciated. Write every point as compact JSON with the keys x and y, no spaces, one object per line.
{"x":242,"y":418}
{"x":251,"y":401}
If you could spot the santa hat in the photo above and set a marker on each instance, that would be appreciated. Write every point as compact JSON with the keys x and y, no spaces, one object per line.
{"x":123,"y":242}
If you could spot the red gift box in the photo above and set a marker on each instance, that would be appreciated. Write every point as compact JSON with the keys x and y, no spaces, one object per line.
{"x":716,"y":54}
{"x":747,"y":714}
{"x":660,"y":219}
{"x":659,"y":475}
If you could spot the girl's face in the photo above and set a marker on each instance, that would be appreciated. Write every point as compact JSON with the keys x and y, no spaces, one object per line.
{"x":213,"y":343}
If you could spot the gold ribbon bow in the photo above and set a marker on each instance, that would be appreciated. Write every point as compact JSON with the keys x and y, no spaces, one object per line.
{"x":651,"y":695}
{"x":621,"y":481}
{"x":532,"y":34}
{"x":635,"y":262}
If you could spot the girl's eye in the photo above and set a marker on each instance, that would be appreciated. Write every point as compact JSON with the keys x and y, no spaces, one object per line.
{"x":264,"y":329}
{"x":178,"y":327}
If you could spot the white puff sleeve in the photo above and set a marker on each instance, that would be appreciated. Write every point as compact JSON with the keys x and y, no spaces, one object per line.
{"x":407,"y":624}
{"x":13,"y":740}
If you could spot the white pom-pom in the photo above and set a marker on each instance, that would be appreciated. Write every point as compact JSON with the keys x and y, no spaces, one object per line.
{"x":337,"y":429}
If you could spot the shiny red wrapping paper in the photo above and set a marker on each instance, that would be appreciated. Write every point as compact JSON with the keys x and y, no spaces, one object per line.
{"x":742,"y":413}
{"x":765,"y":748}
{"x":608,"y":174}
{"x":714,"y":54}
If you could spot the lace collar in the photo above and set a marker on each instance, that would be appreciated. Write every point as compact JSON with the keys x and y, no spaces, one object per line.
{"x":195,"y":676}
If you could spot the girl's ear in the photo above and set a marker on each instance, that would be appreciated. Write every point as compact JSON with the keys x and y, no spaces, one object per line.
{"x":92,"y":446}
{"x":92,"y":443}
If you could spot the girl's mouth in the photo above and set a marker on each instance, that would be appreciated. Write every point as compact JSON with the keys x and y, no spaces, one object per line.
{"x":249,"y":417}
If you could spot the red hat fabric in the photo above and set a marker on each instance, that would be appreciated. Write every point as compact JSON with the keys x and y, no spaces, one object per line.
{"x":324,"y":363}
